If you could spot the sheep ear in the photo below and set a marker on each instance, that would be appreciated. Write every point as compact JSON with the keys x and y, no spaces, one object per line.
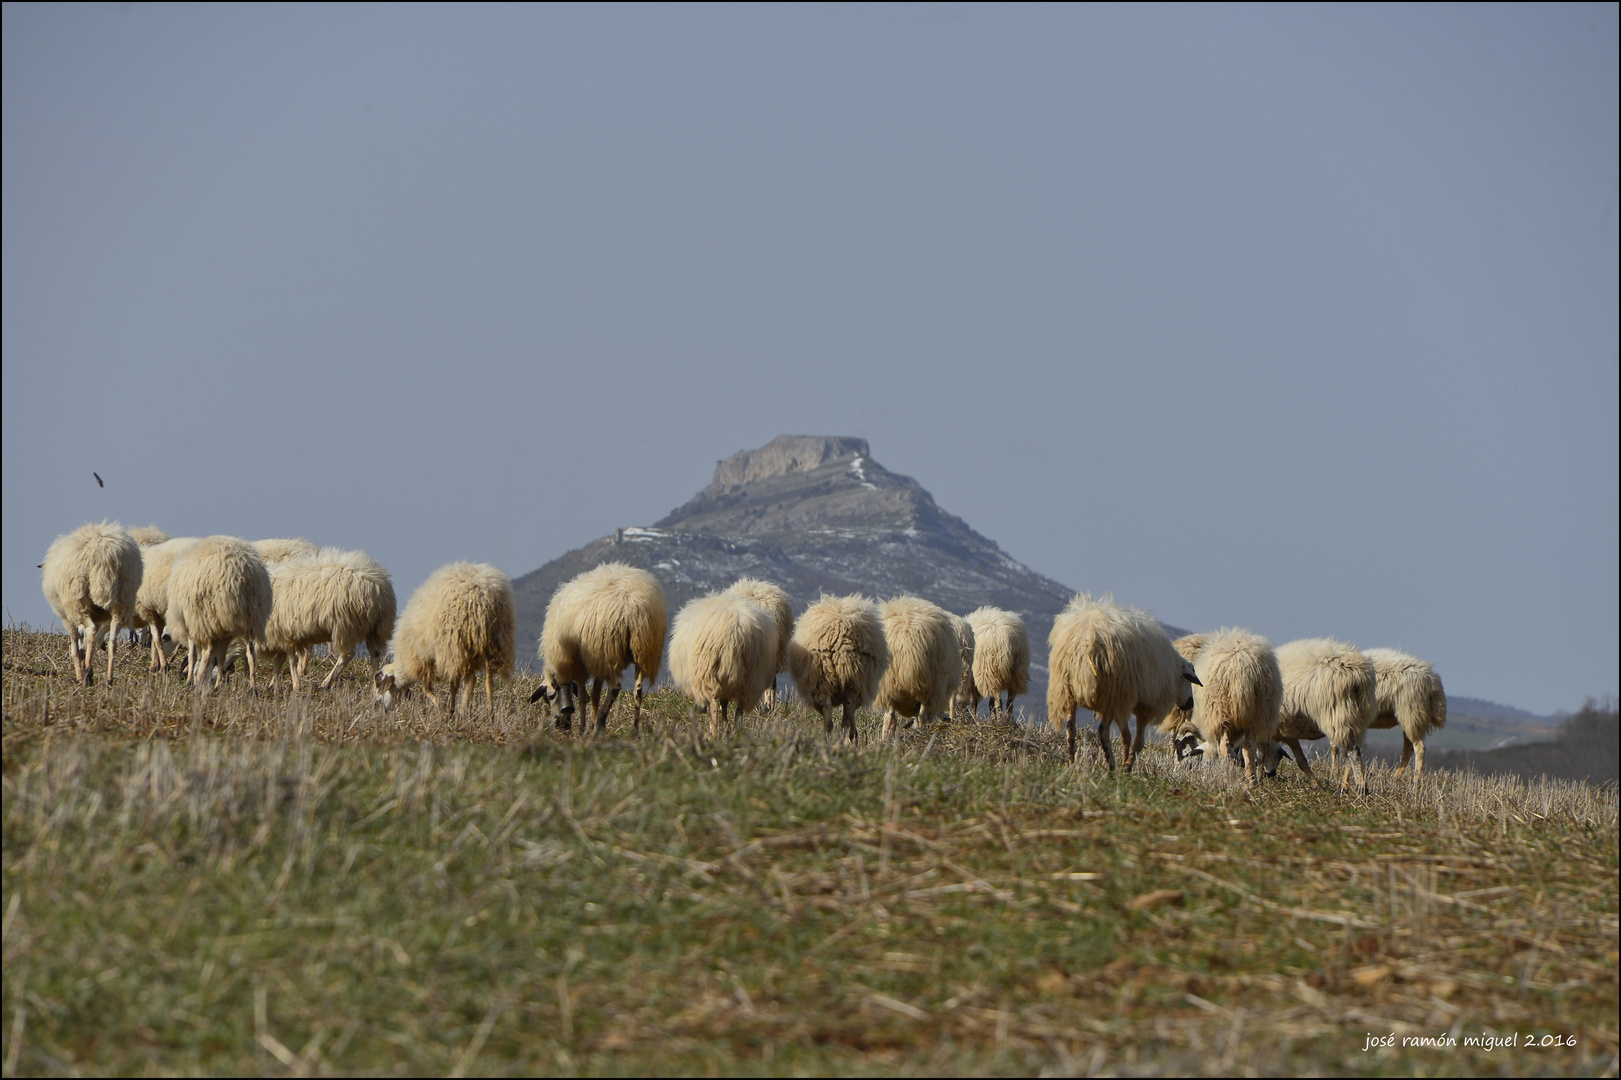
{"x":384,"y":681}
{"x":1192,"y":678}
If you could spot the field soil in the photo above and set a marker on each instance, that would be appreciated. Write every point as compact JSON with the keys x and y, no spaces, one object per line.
{"x":267,"y":883}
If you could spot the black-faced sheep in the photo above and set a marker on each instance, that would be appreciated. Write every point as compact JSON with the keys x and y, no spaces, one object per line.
{"x":597,"y":625}
{"x":462,"y":620}
{"x":965,"y":697}
{"x":1001,"y":658}
{"x":776,"y":601}
{"x":837,"y":657}
{"x":925,"y":663}
{"x":1410,"y":696}
{"x":1115,"y":661}
{"x":336,"y":596}
{"x":90,"y":577}
{"x":219,"y":590}
{"x":723,"y":651}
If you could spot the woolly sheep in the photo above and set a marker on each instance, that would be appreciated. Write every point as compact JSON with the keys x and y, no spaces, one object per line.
{"x":723,"y":650}
{"x":1115,"y":661}
{"x":965,"y":697}
{"x":776,"y":601}
{"x":152,"y":599}
{"x":148,"y":535}
{"x":1410,"y":695}
{"x":1239,"y":694}
{"x":279,"y":551}
{"x":925,"y":663}
{"x":598,"y":624}
{"x":1329,"y":690}
{"x":91,"y":576}
{"x":462,"y":619}
{"x":1001,"y":658}
{"x":837,"y":657}
{"x":219,"y":590}
{"x":336,"y":596}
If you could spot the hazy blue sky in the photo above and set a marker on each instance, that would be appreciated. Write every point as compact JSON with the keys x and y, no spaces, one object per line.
{"x":1303,"y":319}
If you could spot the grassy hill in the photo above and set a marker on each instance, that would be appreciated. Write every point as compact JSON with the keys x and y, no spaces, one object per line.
{"x":252,"y":883}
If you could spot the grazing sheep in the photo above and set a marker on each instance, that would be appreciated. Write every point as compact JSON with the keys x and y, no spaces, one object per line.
{"x":925,"y":663}
{"x":1410,"y":695}
{"x":597,"y":625}
{"x":1329,"y":690}
{"x":152,"y":599}
{"x":91,"y":576}
{"x":776,"y":601}
{"x":1115,"y":661}
{"x":279,"y":551}
{"x":219,"y":590}
{"x":462,"y":619}
{"x":723,"y":650}
{"x":1001,"y":658}
{"x":1239,"y":693}
{"x":965,"y":696}
{"x":336,"y":596}
{"x":837,"y":657}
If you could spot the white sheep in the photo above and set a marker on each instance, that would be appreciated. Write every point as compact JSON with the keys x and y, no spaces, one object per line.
{"x":90,"y":577}
{"x":723,"y":651}
{"x":966,"y":698}
{"x":837,"y":657}
{"x":1115,"y":661}
{"x":152,"y":599}
{"x":925,"y":663}
{"x":1001,"y":658}
{"x":1239,"y":694}
{"x":148,"y":536}
{"x":219,"y":590}
{"x":776,"y":601}
{"x":1410,"y":695}
{"x":460,"y":621}
{"x":598,"y":624}
{"x":280,"y":550}
{"x":1329,"y":691}
{"x":336,"y":596}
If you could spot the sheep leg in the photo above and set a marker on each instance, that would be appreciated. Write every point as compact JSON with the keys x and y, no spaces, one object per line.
{"x":636,"y":698}
{"x":1406,"y":754}
{"x":607,"y":707}
{"x":594,"y":694}
{"x":1071,"y":727}
{"x":715,"y":710}
{"x":1250,"y":775}
{"x":1418,"y":759}
{"x":1103,"y":740}
{"x":337,"y":669}
{"x":455,"y":696}
{"x":849,"y":721}
{"x":112,"y":644}
{"x":251,"y":652}
{"x":827,"y":720}
{"x":1137,"y":743}
{"x":889,"y":721}
{"x":489,"y":687}
{"x":1354,"y":762}
{"x":88,"y":675}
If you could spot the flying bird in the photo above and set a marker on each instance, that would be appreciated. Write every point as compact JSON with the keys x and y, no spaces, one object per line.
{"x":99,"y":481}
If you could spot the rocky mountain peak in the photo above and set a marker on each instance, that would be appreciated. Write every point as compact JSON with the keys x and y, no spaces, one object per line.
{"x":782,"y":456}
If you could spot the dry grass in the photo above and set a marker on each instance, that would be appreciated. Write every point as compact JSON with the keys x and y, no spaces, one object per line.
{"x":268,"y":884}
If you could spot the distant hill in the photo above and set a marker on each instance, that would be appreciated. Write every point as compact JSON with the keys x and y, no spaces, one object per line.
{"x":1586,"y":746}
{"x":816,"y":514}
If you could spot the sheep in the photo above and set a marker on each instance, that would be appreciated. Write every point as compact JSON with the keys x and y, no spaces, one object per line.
{"x":925,"y":663}
{"x":723,"y":650}
{"x":598,"y":624}
{"x":219,"y":590}
{"x":279,"y":551}
{"x":152,"y":599}
{"x":1409,"y":694}
{"x":336,"y":596}
{"x":1239,"y":693}
{"x":838,"y":656}
{"x":462,"y":619}
{"x":966,"y":697}
{"x":776,"y":601}
{"x":1001,"y":658}
{"x":1115,"y":661}
{"x":1329,"y":690}
{"x":91,"y":576}
{"x":148,"y":536}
